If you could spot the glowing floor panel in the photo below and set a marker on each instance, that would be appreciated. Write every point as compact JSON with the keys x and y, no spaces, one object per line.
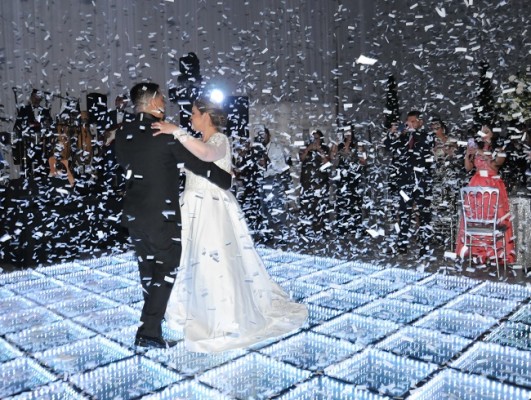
{"x":67,"y":332}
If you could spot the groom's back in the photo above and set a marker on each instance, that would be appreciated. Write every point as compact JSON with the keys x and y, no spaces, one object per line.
{"x":152,"y":174}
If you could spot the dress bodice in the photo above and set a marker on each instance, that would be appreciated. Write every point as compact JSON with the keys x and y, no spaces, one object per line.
{"x":440,"y":151}
{"x":194,"y":181}
{"x":483,"y":162}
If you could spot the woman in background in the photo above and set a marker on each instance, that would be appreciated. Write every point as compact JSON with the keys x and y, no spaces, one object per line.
{"x":314,"y":185}
{"x":486,"y":157}
{"x":349,"y":160}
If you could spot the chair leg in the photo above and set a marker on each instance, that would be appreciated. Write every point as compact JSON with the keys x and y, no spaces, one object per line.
{"x":469,"y":251}
{"x":504,"y":243}
{"x":452,"y":239}
{"x":497,"y":264}
{"x":495,"y":247}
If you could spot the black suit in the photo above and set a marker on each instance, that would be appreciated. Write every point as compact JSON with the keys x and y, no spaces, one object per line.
{"x":28,"y":144}
{"x":151,"y":208}
{"x":414,"y":158}
{"x":112,"y":118}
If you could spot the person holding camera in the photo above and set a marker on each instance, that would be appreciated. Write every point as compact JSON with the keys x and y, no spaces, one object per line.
{"x":314,"y":184}
{"x":349,"y":160}
{"x":392,"y":142}
{"x":486,"y":156}
{"x":276,"y":183}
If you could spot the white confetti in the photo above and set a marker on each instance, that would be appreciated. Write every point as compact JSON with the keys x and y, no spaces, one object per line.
{"x":366,"y":60}
{"x":404,"y":196}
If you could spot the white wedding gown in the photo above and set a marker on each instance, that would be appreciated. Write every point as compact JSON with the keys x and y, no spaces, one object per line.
{"x":223,"y":296}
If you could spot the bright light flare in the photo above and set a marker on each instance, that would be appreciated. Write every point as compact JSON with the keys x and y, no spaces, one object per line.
{"x":217,"y":96}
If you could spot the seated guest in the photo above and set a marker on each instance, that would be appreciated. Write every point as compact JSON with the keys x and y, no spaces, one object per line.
{"x":484,"y":155}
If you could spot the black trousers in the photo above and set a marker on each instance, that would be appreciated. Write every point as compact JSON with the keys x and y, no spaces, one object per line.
{"x":419,"y":194}
{"x":159,"y":254}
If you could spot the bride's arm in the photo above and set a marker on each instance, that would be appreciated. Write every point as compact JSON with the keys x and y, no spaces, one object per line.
{"x":203,"y":151}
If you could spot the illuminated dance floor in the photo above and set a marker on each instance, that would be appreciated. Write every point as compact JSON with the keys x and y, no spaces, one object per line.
{"x":67,"y":332}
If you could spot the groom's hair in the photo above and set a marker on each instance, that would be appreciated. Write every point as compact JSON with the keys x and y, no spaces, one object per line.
{"x":142,"y":93}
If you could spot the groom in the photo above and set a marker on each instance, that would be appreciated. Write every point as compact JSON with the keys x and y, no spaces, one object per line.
{"x":151,"y":205}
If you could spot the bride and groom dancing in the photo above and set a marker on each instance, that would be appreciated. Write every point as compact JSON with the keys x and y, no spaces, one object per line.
{"x":210,"y":280}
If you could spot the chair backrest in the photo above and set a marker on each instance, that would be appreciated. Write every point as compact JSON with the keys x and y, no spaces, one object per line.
{"x":480,"y":205}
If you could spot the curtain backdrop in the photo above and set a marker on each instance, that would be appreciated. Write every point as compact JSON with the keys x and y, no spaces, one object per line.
{"x":268,"y":50}
{"x":302,"y":51}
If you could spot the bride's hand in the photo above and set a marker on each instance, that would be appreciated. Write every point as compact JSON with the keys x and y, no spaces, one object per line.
{"x":163,"y":127}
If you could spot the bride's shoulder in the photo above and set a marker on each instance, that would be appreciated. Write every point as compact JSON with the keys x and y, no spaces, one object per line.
{"x":218,"y":138}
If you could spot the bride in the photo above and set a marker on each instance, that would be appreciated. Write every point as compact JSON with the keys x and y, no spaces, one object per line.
{"x":224,"y":297}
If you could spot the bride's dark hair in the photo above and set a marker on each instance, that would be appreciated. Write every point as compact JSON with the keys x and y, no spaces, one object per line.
{"x":495,"y":141}
{"x":215,"y":110}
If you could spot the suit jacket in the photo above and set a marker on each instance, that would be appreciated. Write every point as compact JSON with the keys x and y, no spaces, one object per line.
{"x":413,"y":156}
{"x":26,"y":119}
{"x":151,"y":164}
{"x":112,"y":118}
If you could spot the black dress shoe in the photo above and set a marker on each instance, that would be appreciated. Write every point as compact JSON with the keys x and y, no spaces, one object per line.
{"x":402,"y":250}
{"x":154,"y":342}
{"x":425,"y":252}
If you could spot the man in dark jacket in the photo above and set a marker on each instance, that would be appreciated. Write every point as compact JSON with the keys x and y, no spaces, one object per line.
{"x":151,"y":204}
{"x":30,"y":128}
{"x":413,"y":149}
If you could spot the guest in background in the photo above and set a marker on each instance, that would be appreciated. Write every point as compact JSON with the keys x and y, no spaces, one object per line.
{"x":413,"y":147}
{"x":393,"y":152}
{"x":485,"y":156}
{"x":349,"y":160}
{"x":447,"y":179}
{"x":60,"y":171}
{"x":514,"y":169}
{"x":3,"y":166}
{"x":315,"y":160}
{"x":249,"y":169}
{"x":7,"y":171}
{"x":116,"y":118}
{"x":86,"y":135}
{"x":31,"y":125}
{"x":277,"y":181}
{"x":86,"y":154}
{"x":112,"y":172}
